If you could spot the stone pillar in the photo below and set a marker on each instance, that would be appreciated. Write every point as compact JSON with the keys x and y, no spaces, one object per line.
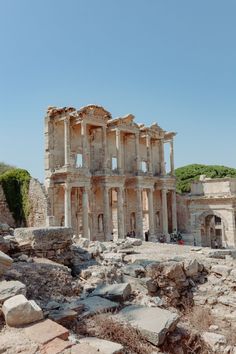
{"x":67,"y":140}
{"x":162,"y":158}
{"x":84,"y":144}
{"x":172,"y":166}
{"x":119,"y":150}
{"x":137,"y":151}
{"x":174,"y":211}
{"x":67,"y":204}
{"x":85,"y":211}
{"x":150,"y":212}
{"x":149,"y":153}
{"x":139,"y":214}
{"x":104,"y":145}
{"x":106,"y":214}
{"x":120,"y":212}
{"x":164,"y":212}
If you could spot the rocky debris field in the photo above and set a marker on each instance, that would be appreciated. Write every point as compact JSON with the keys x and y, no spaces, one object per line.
{"x":127,"y":296}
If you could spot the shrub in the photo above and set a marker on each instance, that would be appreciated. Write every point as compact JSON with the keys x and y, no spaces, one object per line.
{"x":190,"y":173}
{"x":15,"y":183}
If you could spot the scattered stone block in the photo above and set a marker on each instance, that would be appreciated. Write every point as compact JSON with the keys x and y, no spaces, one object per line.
{"x":96,"y":304}
{"x":191,"y":267}
{"x":134,"y":241}
{"x":19,"y":311}
{"x":214,"y":340}
{"x":11,"y":288}
{"x":56,"y":346}
{"x":5,"y":262}
{"x":228,"y":300}
{"x":101,"y":345}
{"x":45,"y":331}
{"x":134,"y":270}
{"x":153,"y":322}
{"x":114,"y":292}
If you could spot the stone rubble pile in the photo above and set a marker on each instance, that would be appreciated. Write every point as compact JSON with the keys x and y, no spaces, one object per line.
{"x":147,"y":295}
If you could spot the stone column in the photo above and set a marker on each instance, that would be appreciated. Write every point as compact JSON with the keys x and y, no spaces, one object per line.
{"x":162,"y":158}
{"x":67,"y":140}
{"x":137,"y":151}
{"x":149,"y":153}
{"x":150,"y":212}
{"x":104,"y":145}
{"x":164,"y":212}
{"x":119,"y":150}
{"x":67,"y":204}
{"x":106,"y":213}
{"x":120,"y":212}
{"x":174,"y":211}
{"x":84,"y":144}
{"x":139,"y":214}
{"x":85,"y":211}
{"x":172,"y":166}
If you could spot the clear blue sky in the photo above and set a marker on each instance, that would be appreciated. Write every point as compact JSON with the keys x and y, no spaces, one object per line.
{"x":168,"y":61}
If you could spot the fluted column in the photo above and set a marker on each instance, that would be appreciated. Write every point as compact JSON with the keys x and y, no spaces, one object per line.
{"x":164,"y":212}
{"x":139,"y":214}
{"x":67,"y":140}
{"x":120,"y":212}
{"x":149,"y":153}
{"x":119,"y":150}
{"x":137,"y":152}
{"x":172,"y":166}
{"x":67,"y":204}
{"x":104,"y":144}
{"x":84,"y":144}
{"x":174,"y":211}
{"x":85,"y":212}
{"x":106,"y":213}
{"x":150,"y":211}
{"x":162,"y":158}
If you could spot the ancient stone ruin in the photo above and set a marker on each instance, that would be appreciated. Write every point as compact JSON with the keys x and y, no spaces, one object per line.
{"x":106,"y":177}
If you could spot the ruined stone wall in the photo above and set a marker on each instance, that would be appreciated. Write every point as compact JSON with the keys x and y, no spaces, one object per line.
{"x":183,"y":214}
{"x":38,"y":204}
{"x":5,"y":214}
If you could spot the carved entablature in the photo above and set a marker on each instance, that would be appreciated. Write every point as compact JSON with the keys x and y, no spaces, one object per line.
{"x":154,"y":131}
{"x":169,"y":136}
{"x":93,"y":113}
{"x":125,"y":123}
{"x":60,"y":112}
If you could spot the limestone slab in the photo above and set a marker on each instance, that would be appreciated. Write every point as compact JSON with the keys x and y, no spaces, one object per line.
{"x":101,"y":345}
{"x":115,"y":292}
{"x":19,"y":311}
{"x":45,"y":331}
{"x":153,"y":322}
{"x":56,"y":346}
{"x":5,"y":262}
{"x":96,"y":304}
{"x":11,"y":288}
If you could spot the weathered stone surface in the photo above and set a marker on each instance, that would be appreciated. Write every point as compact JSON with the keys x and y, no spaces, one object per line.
{"x":115,"y":292}
{"x":153,"y":323}
{"x":101,"y":345}
{"x":191,"y":267}
{"x":84,"y":348}
{"x":221,"y":269}
{"x":228,"y":300}
{"x":19,"y":311}
{"x":96,"y":304}
{"x":214,"y":340}
{"x":5,"y":262}
{"x":45,"y":331}
{"x":134,"y":270}
{"x":63,"y":316}
{"x":134,"y":241}
{"x":56,"y":346}
{"x":11,"y":288}
{"x":113,"y":257}
{"x":174,"y":271}
{"x":50,"y":242}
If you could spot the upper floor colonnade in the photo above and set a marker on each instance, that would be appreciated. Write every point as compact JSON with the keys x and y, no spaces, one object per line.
{"x":93,"y":142}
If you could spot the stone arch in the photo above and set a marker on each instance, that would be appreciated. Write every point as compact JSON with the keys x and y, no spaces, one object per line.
{"x":211,"y":234}
{"x":208,"y":212}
